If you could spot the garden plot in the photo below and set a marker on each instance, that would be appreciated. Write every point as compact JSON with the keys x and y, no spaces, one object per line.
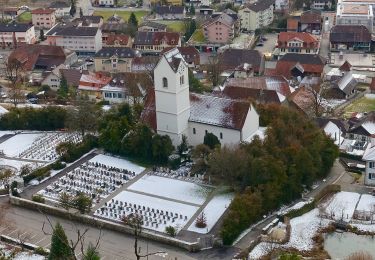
{"x":213,"y":211}
{"x":98,"y":180}
{"x":37,"y":146}
{"x":156,"y":213}
{"x":172,"y":188}
{"x":342,"y":205}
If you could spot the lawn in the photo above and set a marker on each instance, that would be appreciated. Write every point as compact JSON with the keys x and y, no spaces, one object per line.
{"x":198,"y":36}
{"x":361,"y":105}
{"x":123,"y":14}
{"x":25,"y":17}
{"x":176,"y":26}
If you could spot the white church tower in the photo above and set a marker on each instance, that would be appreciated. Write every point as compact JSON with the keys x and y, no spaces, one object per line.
{"x":172,"y":101}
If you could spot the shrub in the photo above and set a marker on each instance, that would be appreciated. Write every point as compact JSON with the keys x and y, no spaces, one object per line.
{"x":40,"y":251}
{"x":71,"y":152}
{"x":171,"y":231}
{"x":38,"y":198}
{"x":58,"y":165}
{"x":38,"y":174}
{"x":201,"y":221}
{"x":13,"y":188}
{"x":299,"y":212}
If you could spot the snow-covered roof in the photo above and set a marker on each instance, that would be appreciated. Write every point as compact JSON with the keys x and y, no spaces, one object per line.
{"x":369,"y":127}
{"x":3,"y":110}
{"x":218,"y":111}
{"x":369,"y":154}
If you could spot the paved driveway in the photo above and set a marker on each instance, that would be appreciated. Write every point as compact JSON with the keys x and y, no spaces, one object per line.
{"x":269,"y":45}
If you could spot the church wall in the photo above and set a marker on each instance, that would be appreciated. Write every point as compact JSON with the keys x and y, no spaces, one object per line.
{"x":229,"y":136}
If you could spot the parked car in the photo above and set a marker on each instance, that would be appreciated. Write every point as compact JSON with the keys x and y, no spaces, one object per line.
{"x":259,"y":44}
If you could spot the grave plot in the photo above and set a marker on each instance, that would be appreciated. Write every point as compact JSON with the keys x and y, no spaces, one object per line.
{"x":96,"y":179}
{"x":37,"y":146}
{"x":172,"y":188}
{"x":182,"y":173}
{"x":157,"y":214}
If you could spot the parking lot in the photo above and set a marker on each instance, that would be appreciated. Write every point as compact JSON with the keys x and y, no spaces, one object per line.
{"x":269,"y":44}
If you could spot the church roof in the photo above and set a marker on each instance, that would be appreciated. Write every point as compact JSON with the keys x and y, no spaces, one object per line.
{"x":205,"y":109}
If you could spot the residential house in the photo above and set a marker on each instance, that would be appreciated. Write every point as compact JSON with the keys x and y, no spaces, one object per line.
{"x":107,"y":3}
{"x":333,"y":128}
{"x":230,"y":59}
{"x":62,"y":8}
{"x":321,"y":5}
{"x":13,"y":35}
{"x":127,"y":87}
{"x":292,"y":24}
{"x":43,"y":18}
{"x":303,"y":100}
{"x":54,"y":77}
{"x":369,"y":158}
{"x":243,"y":70}
{"x":190,"y":55}
{"x":144,"y":64}
{"x":311,"y":22}
{"x":296,"y":65}
{"x":83,"y":40}
{"x":114,"y":59}
{"x":282,"y":6}
{"x":362,"y":128}
{"x":296,"y":42}
{"x":172,"y":110}
{"x":220,"y":29}
{"x":350,"y":37}
{"x":343,"y":87}
{"x":115,"y":19}
{"x":265,"y":90}
{"x":171,"y":12}
{"x":355,"y":14}
{"x":42,"y":57}
{"x":112,"y":28}
{"x":89,"y":21}
{"x":256,"y":15}
{"x":118,"y":40}
{"x":9,"y":12}
{"x":167,"y":2}
{"x":152,"y":27}
{"x":156,"y":42}
{"x":91,"y":85}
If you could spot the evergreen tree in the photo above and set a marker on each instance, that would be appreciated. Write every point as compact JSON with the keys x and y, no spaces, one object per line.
{"x":63,"y":88}
{"x":211,"y":140}
{"x":83,"y":203}
{"x":80,"y":12}
{"x":133,"y":20}
{"x":60,"y":249}
{"x":41,"y":36}
{"x":73,"y":10}
{"x":192,"y":9}
{"x":91,"y":253}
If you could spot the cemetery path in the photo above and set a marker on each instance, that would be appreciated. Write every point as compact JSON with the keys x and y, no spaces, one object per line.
{"x":31,"y":190}
{"x":22,"y":159}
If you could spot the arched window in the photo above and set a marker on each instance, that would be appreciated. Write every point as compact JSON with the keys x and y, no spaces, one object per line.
{"x":165,"y":82}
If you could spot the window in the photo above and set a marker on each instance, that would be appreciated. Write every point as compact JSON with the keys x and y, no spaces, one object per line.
{"x":165,"y":82}
{"x":194,"y":131}
{"x":206,"y":131}
{"x":371,"y":176}
{"x":372,"y":165}
{"x":221,"y":135}
{"x":182,"y":80}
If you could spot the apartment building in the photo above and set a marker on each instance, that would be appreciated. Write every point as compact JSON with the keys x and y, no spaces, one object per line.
{"x":156,"y":42}
{"x":256,"y":15}
{"x":43,"y":18}
{"x":82,"y":40}
{"x":355,"y":14}
{"x":114,"y":59}
{"x":220,"y":29}
{"x":13,"y":35}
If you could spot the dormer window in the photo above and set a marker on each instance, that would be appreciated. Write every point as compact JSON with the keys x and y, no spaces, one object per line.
{"x":165,"y":82}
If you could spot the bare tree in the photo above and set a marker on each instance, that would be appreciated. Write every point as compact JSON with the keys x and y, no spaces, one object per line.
{"x":74,"y":244}
{"x":23,"y":237}
{"x":135,"y":222}
{"x":13,"y":70}
{"x":214,"y":69}
{"x":5,"y":176}
{"x":317,"y":96}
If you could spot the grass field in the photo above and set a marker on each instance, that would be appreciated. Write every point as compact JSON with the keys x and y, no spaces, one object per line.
{"x":198,"y":36}
{"x":361,"y":105}
{"x":123,"y":14}
{"x":176,"y":26}
{"x":25,"y":17}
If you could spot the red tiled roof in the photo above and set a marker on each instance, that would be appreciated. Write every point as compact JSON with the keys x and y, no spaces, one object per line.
{"x":305,"y":37}
{"x":292,"y":24}
{"x":30,"y":53}
{"x":302,"y":100}
{"x":311,"y":64}
{"x":42,"y":11}
{"x":310,"y":17}
{"x":120,"y":39}
{"x":346,"y":66}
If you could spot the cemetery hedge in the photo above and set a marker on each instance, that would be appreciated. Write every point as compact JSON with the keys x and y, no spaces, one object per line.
{"x":70,"y":152}
{"x":271,"y":172}
{"x":42,"y":119}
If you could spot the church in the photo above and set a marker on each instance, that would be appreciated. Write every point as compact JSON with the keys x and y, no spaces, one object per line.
{"x":170,"y":109}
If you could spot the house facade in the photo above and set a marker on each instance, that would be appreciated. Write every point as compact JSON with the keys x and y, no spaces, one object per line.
{"x":82,"y":40}
{"x":321,"y":4}
{"x":13,"y":35}
{"x":62,"y":9}
{"x":221,"y":29}
{"x":296,"y":42}
{"x":369,"y":158}
{"x":43,"y":18}
{"x":155,"y":42}
{"x":311,"y":22}
{"x":171,"y":12}
{"x":114,"y":59}
{"x":256,"y":15}
{"x":91,"y":85}
{"x":177,"y":112}
{"x":152,"y":27}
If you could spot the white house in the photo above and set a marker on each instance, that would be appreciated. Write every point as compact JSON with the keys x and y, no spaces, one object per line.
{"x":178,"y":112}
{"x":369,"y":158}
{"x":256,"y":15}
{"x":15,"y":34}
{"x":61,"y":8}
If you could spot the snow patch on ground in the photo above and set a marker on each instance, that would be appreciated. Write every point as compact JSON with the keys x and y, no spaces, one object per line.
{"x":171,"y":188}
{"x":342,"y":205}
{"x":18,"y":164}
{"x":366,"y":203}
{"x":2,"y":133}
{"x":213,"y":211}
{"x":18,"y":143}
{"x":117,"y":162}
